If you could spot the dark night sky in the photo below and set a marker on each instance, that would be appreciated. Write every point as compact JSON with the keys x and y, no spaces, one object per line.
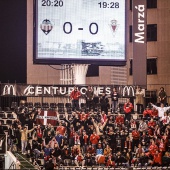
{"x":13,"y":41}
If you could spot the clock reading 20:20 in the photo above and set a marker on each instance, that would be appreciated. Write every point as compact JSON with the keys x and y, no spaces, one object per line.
{"x":55,"y":3}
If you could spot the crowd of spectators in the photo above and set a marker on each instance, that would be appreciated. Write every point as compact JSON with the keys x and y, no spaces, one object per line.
{"x":94,"y":138}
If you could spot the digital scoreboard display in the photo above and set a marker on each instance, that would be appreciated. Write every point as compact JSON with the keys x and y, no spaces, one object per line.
{"x":79,"y":31}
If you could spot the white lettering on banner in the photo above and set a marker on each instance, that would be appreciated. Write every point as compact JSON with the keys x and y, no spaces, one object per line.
{"x":63,"y":90}
{"x":95,"y":91}
{"x":38,"y":90}
{"x":47,"y":90}
{"x":83,"y":89}
{"x":100,"y":90}
{"x":108,"y":90}
{"x":55,"y":89}
{"x":28,"y":91}
{"x":128,"y":89}
{"x":7,"y":90}
{"x":141,"y":26}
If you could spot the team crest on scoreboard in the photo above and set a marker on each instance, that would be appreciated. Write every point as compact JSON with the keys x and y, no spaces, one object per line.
{"x":46,"y":26}
{"x":113,"y":26}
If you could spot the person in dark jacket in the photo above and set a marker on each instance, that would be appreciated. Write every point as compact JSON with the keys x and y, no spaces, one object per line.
{"x":89,"y":98}
{"x":49,"y":165}
{"x":104,"y":101}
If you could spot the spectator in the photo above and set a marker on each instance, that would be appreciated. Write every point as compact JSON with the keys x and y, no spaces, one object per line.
{"x":89,"y":98}
{"x":147,"y":113}
{"x":79,"y":160}
{"x":157,"y":159}
{"x":100,"y":158}
{"x":152,"y":149}
{"x":120,"y":159}
{"x":139,"y":151}
{"x":143,"y":160}
{"x":99,"y":127}
{"x":107,"y":151}
{"x":75,"y":95}
{"x":49,"y":165}
{"x":104,"y":101}
{"x":48,"y":130}
{"x":65,"y":155}
{"x":48,"y":138}
{"x":89,"y":160}
{"x":166,"y":159}
{"x":114,"y":98}
{"x":59,"y":139}
{"x":110,"y":162}
{"x":91,"y":149}
{"x":161,"y":109}
{"x":94,"y":139}
{"x":112,"y":136}
{"x":165,"y":120}
{"x":142,"y":126}
{"x":39,"y":133}
{"x":162,"y":96}
{"x":24,"y":139}
{"x":56,"y":154}
{"x":139,"y":100}
{"x":84,"y":141}
{"x":135,"y":139}
{"x":128,"y":143}
{"x":144,"y":139}
{"x":119,"y":120}
{"x":47,"y":152}
{"x":128,"y":107}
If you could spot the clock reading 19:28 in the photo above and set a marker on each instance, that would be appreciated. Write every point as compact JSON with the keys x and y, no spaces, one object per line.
{"x":109,"y":5}
{"x":60,"y":3}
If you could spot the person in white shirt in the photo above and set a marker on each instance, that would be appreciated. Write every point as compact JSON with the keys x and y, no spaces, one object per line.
{"x":161,"y":109}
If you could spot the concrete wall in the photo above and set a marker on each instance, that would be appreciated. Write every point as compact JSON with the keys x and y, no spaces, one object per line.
{"x":44,"y":74}
{"x":159,"y":48}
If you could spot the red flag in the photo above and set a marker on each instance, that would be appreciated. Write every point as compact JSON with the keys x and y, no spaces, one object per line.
{"x":46,"y":117}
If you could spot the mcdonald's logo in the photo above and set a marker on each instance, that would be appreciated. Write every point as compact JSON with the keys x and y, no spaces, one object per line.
{"x":9,"y":90}
{"x":128,"y":91}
